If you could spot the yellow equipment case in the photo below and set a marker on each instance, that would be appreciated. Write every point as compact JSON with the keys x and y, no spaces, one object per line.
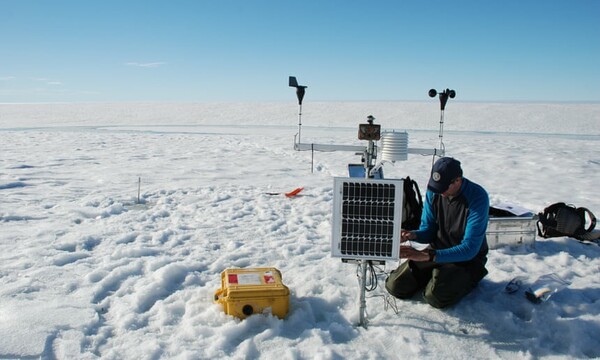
{"x":245,"y":292}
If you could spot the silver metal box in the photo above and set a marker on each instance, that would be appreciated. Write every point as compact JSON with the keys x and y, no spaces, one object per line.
{"x":511,"y":231}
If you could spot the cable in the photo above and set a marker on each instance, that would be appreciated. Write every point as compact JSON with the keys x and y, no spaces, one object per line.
{"x":371,"y":278}
{"x":389,"y":301}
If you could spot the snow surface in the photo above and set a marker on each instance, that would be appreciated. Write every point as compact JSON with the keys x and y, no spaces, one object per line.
{"x":87,"y":271}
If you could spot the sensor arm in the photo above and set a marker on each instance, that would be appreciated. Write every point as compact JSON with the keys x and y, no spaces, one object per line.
{"x":327,"y":147}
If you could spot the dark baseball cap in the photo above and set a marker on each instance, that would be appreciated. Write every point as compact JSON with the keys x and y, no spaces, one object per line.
{"x":443,"y":172}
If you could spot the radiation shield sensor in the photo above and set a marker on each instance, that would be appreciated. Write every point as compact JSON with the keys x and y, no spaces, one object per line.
{"x":367,"y":216}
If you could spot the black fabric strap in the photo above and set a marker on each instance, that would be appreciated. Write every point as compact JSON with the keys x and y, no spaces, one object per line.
{"x":592,"y":219}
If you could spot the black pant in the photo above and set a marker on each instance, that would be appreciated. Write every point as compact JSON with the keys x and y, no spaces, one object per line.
{"x":444,"y":284}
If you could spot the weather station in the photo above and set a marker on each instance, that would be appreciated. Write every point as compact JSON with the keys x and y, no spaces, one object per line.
{"x":367,"y":208}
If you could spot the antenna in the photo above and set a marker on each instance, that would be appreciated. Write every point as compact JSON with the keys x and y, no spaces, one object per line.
{"x":300,"y":91}
{"x":444,"y":95}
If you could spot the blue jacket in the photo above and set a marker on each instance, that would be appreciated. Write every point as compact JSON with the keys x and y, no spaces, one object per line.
{"x":456,"y":226}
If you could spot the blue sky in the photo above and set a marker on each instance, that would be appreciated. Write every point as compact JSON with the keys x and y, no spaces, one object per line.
{"x":223,"y":50}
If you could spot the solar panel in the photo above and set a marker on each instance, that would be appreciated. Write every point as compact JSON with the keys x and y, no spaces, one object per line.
{"x":366,"y":218}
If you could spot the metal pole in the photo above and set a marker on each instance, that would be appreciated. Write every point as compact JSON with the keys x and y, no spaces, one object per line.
{"x":369,"y":158}
{"x":312,"y":158}
{"x":299,"y":123}
{"x":441,"y":135}
{"x":363,"y":301}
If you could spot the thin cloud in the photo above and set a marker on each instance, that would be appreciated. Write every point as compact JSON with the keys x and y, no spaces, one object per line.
{"x":146,"y":65}
{"x":47,"y":81}
{"x":6,"y":78}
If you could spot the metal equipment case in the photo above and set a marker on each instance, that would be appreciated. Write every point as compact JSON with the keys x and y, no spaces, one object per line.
{"x":245,"y":292}
{"x":511,"y":231}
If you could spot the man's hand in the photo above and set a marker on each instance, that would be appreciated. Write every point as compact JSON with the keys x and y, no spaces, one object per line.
{"x":406,"y":235}
{"x":407,"y":252}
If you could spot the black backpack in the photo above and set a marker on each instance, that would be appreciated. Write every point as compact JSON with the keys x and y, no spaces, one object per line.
{"x":412,"y":205}
{"x":560,"y":219}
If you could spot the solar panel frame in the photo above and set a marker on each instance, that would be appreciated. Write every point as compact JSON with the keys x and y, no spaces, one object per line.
{"x":367,"y":215}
